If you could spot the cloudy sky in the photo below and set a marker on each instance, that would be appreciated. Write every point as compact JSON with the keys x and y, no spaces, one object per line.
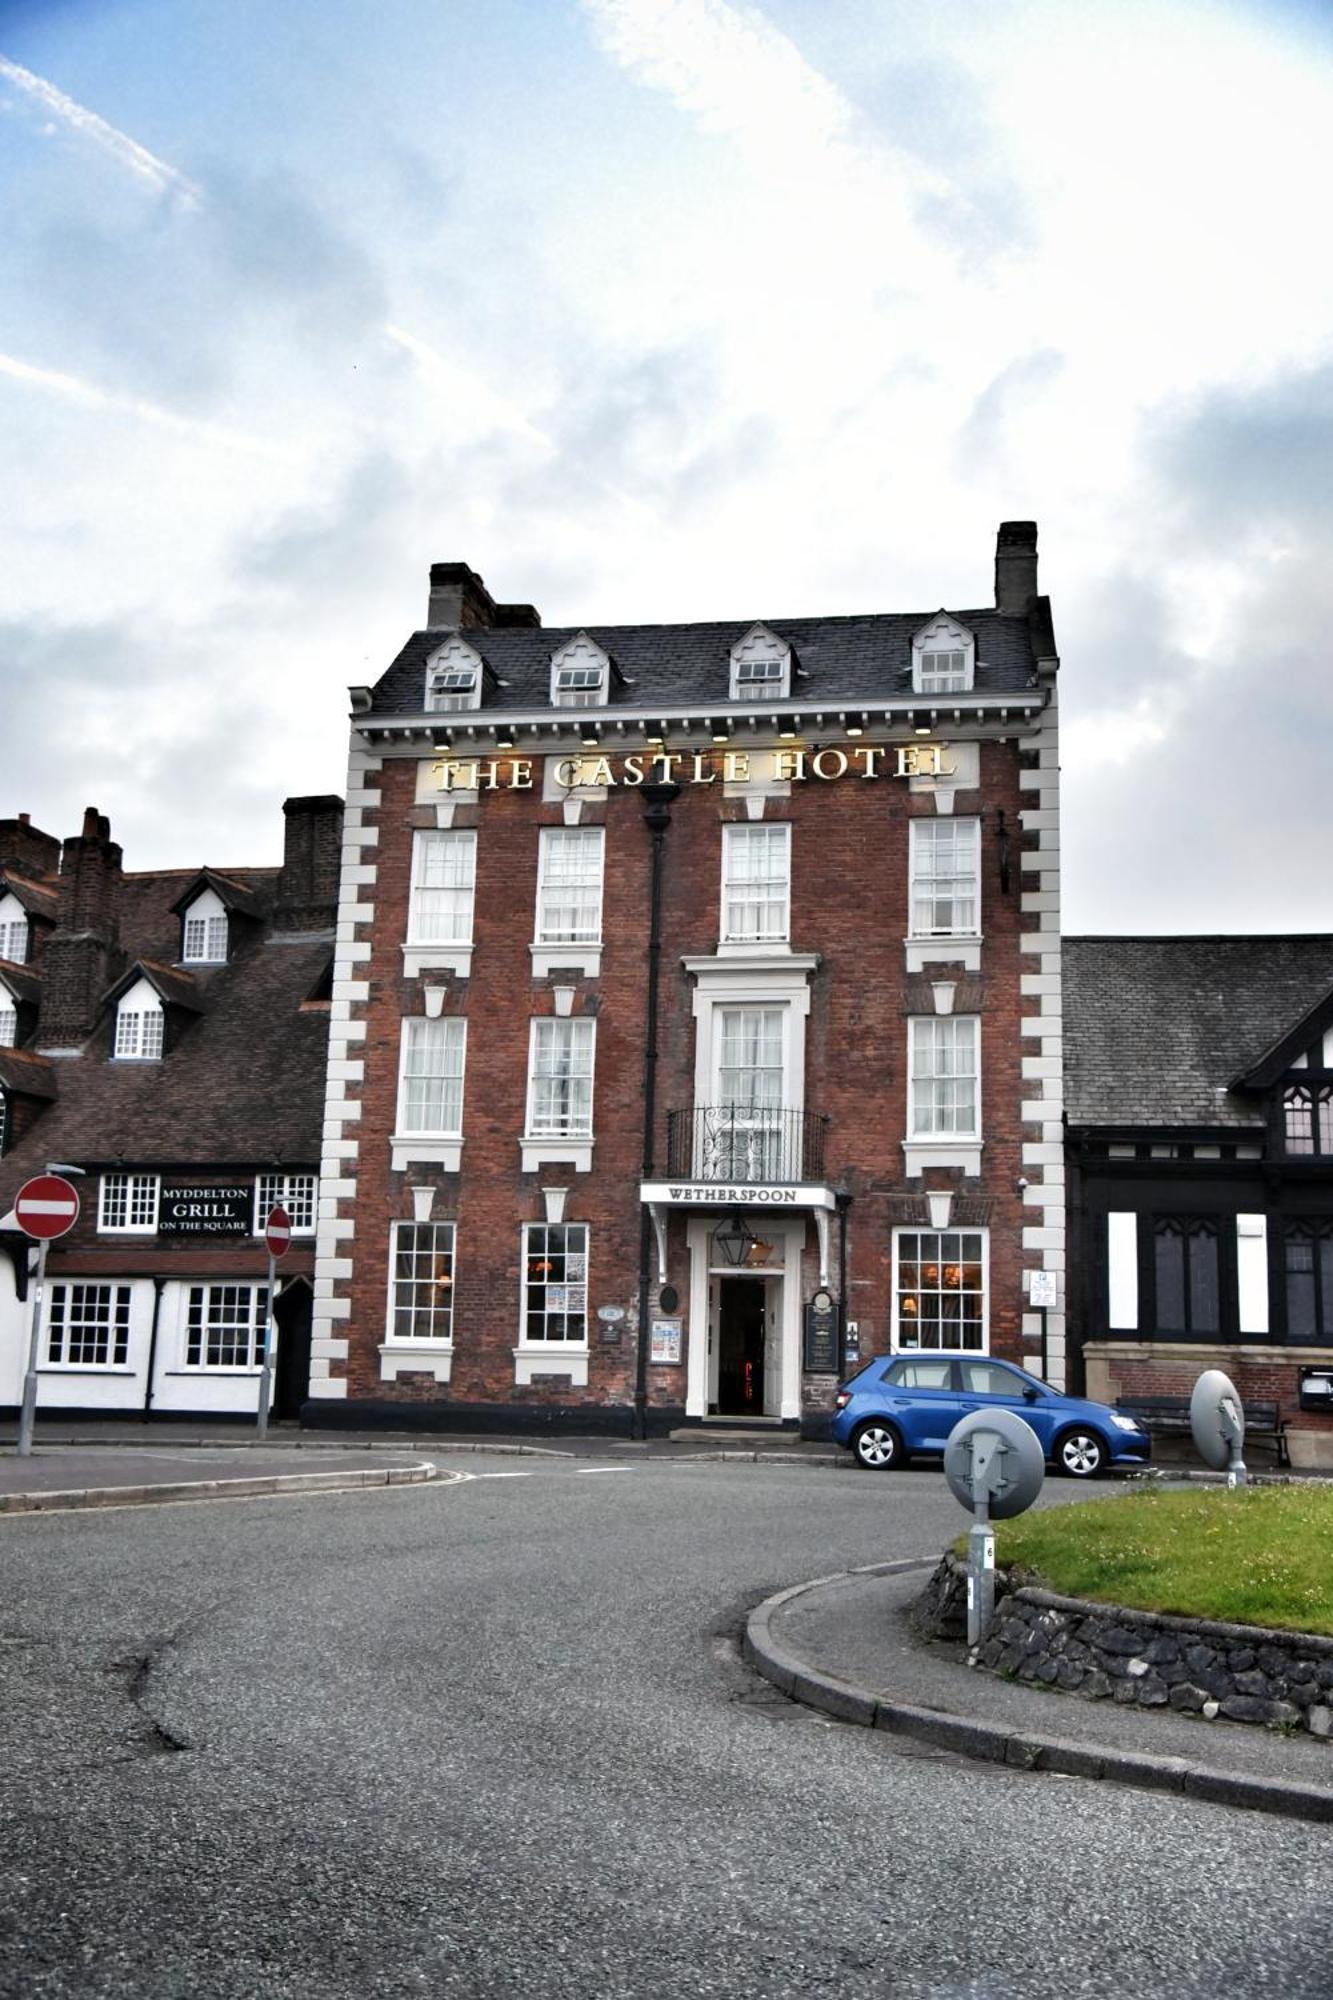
{"x":671,"y":309}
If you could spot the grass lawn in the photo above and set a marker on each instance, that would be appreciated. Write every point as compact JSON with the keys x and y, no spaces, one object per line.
{"x":1260,"y":1556}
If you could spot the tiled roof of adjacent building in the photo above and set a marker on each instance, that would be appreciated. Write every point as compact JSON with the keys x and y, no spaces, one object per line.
{"x":865,"y":657}
{"x":1157,"y":1029}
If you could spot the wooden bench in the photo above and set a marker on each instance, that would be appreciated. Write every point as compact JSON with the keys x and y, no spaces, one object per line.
{"x":1169,"y":1415}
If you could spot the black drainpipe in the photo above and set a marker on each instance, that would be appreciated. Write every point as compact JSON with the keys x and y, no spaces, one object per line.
{"x":657,"y":802}
{"x":158,"y":1285}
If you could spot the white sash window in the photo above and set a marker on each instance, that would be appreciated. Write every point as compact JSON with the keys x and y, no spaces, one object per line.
{"x":756,"y":883}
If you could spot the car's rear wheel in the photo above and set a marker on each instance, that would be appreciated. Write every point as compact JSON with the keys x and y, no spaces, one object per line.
{"x":1080,"y":1454}
{"x":877,"y":1446}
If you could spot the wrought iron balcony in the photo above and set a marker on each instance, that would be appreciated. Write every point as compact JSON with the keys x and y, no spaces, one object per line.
{"x":745,"y":1144}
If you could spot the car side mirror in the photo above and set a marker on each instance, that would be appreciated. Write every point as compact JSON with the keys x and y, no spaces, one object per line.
{"x":1031,"y":1395}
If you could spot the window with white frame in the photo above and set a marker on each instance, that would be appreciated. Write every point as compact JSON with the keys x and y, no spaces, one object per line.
{"x":4,"y":1121}
{"x":88,"y":1326}
{"x":944,"y":1076}
{"x":139,"y":1023}
{"x":756,"y":883}
{"x":453,"y":678}
{"x":421,"y":1281}
{"x":580,"y":674}
{"x":9,"y":1020}
{"x":127,"y":1204}
{"x":555,"y":1283}
{"x":939,"y":1288}
{"x":743,"y":1135}
{"x":760,"y":666}
{"x":946,"y":877}
{"x":13,"y":930}
{"x":296,"y":1193}
{"x":430,"y":1090}
{"x":204,"y":932}
{"x":444,"y":874}
{"x":225,"y":1326}
{"x":569,"y":885}
{"x":943,"y":657}
{"x":560,"y":1072}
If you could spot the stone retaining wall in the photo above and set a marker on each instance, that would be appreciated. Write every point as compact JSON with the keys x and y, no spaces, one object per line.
{"x":1103,"y":1652}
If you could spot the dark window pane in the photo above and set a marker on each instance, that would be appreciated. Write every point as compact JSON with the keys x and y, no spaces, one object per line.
{"x":1203,"y":1281}
{"x":1170,"y":1279}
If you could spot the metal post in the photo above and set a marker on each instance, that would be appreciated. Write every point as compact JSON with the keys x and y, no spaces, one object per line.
{"x":29,"y":1410}
{"x":980,"y":1546}
{"x":266,"y":1374}
{"x":1236,"y":1472}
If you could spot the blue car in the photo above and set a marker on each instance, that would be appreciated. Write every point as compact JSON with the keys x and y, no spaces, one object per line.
{"x":903,"y":1405}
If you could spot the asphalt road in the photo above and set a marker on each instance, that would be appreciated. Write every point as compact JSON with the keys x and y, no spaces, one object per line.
{"x":493,"y":1737}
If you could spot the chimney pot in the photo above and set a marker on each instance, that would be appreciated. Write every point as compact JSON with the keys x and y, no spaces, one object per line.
{"x":1015,"y":567}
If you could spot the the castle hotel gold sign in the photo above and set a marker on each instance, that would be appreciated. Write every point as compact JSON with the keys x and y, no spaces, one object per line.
{"x":701,"y":767}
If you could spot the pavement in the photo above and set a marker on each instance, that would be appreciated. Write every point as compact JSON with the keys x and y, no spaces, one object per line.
{"x":840,"y":1644}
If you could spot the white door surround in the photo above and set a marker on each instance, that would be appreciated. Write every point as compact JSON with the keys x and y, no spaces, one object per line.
{"x":782,"y":1347}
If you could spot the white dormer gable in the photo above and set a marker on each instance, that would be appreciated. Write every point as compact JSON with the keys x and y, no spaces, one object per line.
{"x":454,"y":675}
{"x":1319,"y":1055}
{"x":204,"y":930}
{"x":580,"y":674}
{"x":139,"y":1023}
{"x":760,"y":666}
{"x":9,"y":1015}
{"x":944,"y":657}
{"x":13,"y":930}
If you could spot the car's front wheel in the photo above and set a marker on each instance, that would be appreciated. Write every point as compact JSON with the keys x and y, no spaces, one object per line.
{"x":877,"y":1446}
{"x":1080,"y":1454}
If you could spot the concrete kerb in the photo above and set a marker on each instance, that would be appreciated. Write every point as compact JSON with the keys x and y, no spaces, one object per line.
{"x":994,"y":1743}
{"x":274,"y":1484}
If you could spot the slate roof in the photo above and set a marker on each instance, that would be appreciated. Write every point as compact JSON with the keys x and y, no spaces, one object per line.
{"x":1157,"y":1029}
{"x":37,"y":898}
{"x":865,"y":657}
{"x":242,"y":1082}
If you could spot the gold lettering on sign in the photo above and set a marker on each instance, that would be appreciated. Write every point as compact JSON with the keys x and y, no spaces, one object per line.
{"x":819,"y":762}
{"x":788,"y":764}
{"x":736,"y":767}
{"x":698,"y":776}
{"x":869,"y":757}
{"x":631,"y":771}
{"x":698,"y":767}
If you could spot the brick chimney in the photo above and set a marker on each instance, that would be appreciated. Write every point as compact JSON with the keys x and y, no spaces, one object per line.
{"x":1015,"y":567}
{"x":311,"y":862}
{"x":27,"y":850}
{"x":458,"y":598}
{"x":81,"y":957}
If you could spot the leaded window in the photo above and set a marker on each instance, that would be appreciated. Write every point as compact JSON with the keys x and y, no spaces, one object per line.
{"x":9,"y":1022}
{"x":139,"y":1034}
{"x":296,"y":1193}
{"x":1308,"y":1119}
{"x":1185,"y":1254}
{"x":1308,"y":1257}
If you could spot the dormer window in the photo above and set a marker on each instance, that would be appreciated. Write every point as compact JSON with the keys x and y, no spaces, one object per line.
{"x":9,"y":1019}
{"x":139,"y":1025}
{"x":204,"y":939}
{"x":580,"y":674}
{"x":943,"y":657}
{"x":454,"y":676}
{"x":13,"y":930}
{"x":760,"y":666}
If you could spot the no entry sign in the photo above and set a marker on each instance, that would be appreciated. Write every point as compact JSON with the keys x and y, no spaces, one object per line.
{"x":46,"y":1207}
{"x":277,"y":1231}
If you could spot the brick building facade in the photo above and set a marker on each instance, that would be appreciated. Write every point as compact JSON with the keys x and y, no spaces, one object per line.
{"x":696,"y":1013}
{"x":163,"y":1034}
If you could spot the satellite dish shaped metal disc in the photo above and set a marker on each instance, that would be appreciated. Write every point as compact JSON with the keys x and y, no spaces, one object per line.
{"x":1011,"y":1471}
{"x":1217,"y":1418}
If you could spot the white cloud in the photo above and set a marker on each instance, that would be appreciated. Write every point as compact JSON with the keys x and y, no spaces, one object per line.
{"x":88,"y":396}
{"x":146,"y":166}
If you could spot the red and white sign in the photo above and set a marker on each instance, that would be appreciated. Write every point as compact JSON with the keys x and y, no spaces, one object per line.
{"x":278,"y":1231}
{"x":46,"y":1207}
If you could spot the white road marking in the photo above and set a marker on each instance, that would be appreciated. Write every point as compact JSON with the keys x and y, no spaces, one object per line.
{"x":591,"y":1471}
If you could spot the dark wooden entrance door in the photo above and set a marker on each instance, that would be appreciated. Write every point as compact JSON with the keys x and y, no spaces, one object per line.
{"x":740,"y":1354}
{"x":291,"y":1373}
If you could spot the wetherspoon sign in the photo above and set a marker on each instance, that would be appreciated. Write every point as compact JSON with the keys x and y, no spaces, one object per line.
{"x":700,"y":767}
